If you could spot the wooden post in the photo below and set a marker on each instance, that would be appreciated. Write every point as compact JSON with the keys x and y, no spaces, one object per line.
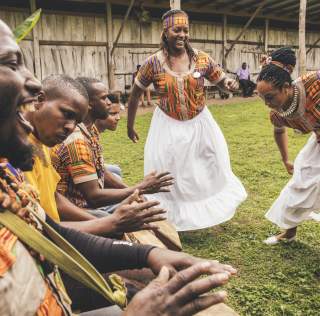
{"x":266,"y":36}
{"x":224,"y":44}
{"x":245,"y":27}
{"x":111,"y":82}
{"x":175,"y":4}
{"x":302,"y":37}
{"x":36,"y":46}
{"x":122,"y":26}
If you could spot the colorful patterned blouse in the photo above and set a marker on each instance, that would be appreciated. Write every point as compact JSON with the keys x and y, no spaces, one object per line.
{"x":307,"y":117}
{"x":79,"y":159}
{"x":181,"y":95}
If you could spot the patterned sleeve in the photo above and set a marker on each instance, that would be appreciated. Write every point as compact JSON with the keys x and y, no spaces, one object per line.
{"x":79,"y":161}
{"x":214,"y":72}
{"x":145,"y":74}
{"x":312,"y":85}
{"x":277,"y":121}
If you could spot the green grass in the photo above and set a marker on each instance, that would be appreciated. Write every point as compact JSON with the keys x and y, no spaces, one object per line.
{"x":279,"y":280}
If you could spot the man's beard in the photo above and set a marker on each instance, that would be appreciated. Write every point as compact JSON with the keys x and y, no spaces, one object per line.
{"x":16,"y":148}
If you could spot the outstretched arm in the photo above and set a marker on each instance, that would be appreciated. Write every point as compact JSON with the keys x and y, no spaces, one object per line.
{"x":69,"y":211}
{"x":132,"y":110}
{"x":281,"y":138}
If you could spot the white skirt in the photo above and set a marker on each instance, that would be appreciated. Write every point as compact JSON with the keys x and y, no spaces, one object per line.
{"x":206,"y":192}
{"x":301,"y":196}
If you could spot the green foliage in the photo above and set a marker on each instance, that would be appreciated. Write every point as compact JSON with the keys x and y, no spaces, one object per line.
{"x":23,"y":29}
{"x":283,"y":280}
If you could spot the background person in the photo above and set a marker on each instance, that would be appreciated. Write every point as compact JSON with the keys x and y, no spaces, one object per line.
{"x":293,"y":104}
{"x":111,"y":124}
{"x":246,"y":84}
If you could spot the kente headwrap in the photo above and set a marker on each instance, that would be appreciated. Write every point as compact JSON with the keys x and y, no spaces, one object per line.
{"x":176,"y":19}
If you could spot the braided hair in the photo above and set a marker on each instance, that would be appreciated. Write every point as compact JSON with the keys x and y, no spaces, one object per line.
{"x":164,"y":40}
{"x":276,"y":75}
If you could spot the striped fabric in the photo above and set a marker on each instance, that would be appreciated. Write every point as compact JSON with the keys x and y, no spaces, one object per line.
{"x":181,"y":96}
{"x":7,"y":258}
{"x":78,"y":159}
{"x":178,"y":19}
{"x":307,"y":119}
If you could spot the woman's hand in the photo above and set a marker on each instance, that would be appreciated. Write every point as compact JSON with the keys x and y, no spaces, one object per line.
{"x":289,"y":166}
{"x":132,"y":134}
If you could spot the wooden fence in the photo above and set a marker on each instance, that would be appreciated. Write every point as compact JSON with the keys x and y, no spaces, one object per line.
{"x":77,"y":44}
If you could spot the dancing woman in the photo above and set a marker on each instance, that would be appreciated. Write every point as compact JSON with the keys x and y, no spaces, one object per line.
{"x":295,"y":105}
{"x":183,"y":137}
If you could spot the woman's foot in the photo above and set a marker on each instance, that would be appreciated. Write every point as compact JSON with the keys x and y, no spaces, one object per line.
{"x":288,"y":235}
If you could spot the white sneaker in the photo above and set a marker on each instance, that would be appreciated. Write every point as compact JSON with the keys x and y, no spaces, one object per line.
{"x":273,"y":240}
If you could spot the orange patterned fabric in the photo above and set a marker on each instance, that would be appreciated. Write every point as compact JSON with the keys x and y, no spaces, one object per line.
{"x":7,"y":258}
{"x":308,"y":117}
{"x":49,"y":306}
{"x":77,"y":160}
{"x":178,"y":19}
{"x":181,"y":95}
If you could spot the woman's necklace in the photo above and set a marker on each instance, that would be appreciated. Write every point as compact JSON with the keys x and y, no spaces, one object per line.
{"x":294,"y":104}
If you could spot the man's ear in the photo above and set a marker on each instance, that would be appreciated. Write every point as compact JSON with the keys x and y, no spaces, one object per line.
{"x":89,"y":106}
{"x":40,"y":100}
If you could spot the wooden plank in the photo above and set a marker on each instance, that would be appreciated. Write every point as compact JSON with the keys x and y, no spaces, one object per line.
{"x":302,"y":37}
{"x":77,"y":28}
{"x":224,"y":42}
{"x":175,"y":4}
{"x":156,"y":29}
{"x":145,"y":33}
{"x":313,"y":45}
{"x":63,"y":32}
{"x":89,"y":29}
{"x":261,"y":5}
{"x":266,"y":35}
{"x":72,"y":43}
{"x":101,"y":29}
{"x":111,"y":79}
{"x":36,"y":47}
{"x":49,"y":26}
{"x":122,"y":25}
{"x":27,"y":52}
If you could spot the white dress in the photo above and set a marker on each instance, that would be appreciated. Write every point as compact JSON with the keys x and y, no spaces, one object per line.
{"x":300,"y":198}
{"x":206,"y":192}
{"x":192,"y":148}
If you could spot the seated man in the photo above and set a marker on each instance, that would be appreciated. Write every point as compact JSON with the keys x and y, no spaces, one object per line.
{"x":246,"y":84}
{"x":80,"y":164}
{"x":29,"y":282}
{"x":62,"y":103}
{"x":111,"y":124}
